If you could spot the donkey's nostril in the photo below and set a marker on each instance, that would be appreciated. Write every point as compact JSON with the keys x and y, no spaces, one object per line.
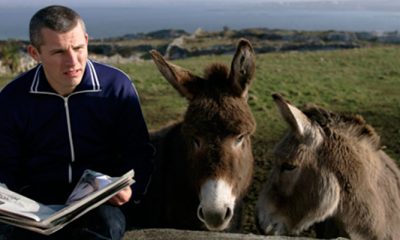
{"x":200,"y":214}
{"x":228,"y":213}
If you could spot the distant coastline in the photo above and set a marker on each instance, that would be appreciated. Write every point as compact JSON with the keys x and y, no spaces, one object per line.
{"x":114,"y":22}
{"x":179,"y":44}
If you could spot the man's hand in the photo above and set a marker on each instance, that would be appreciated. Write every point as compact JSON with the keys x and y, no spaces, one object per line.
{"x":121,"y":197}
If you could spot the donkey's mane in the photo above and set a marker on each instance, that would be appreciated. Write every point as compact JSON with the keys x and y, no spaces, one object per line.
{"x":216,"y":81}
{"x":216,"y":71}
{"x":350,"y":124}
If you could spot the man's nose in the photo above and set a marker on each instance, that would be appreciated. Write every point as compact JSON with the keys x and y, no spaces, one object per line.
{"x":70,"y":57}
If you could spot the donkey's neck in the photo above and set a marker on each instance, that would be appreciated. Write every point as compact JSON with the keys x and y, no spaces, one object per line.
{"x":367,"y":208}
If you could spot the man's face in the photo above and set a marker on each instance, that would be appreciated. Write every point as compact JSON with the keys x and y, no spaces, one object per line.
{"x":63,"y":56}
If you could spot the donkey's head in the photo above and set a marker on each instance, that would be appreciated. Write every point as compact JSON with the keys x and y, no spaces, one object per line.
{"x":217,"y":127}
{"x":325,"y":160}
{"x":300,"y":189}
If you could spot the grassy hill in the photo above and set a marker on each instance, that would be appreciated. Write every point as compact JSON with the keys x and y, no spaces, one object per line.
{"x":363,"y":81}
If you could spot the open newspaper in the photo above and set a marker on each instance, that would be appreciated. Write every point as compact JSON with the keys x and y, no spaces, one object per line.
{"x":92,"y":190}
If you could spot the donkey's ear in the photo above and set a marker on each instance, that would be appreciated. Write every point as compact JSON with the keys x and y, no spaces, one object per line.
{"x":297,"y":120}
{"x":178,"y":77}
{"x":243,"y":67}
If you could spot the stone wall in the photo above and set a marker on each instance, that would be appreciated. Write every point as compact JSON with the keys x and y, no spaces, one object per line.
{"x":173,"y":234}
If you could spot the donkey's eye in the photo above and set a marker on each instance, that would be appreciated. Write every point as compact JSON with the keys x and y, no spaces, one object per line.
{"x":196,"y":142}
{"x":287,"y":167}
{"x":239,"y":139}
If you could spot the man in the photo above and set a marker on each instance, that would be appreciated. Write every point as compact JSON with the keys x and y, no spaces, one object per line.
{"x":66,"y":115}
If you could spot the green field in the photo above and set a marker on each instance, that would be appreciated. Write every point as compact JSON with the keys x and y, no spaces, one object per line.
{"x":362,"y":81}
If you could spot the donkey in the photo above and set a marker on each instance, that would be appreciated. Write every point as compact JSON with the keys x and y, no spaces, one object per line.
{"x":204,"y":164}
{"x":330,"y":165}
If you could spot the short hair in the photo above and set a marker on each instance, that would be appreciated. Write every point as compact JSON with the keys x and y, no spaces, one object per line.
{"x":57,"y":18}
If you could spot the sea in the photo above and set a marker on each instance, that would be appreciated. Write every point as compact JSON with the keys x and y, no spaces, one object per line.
{"x":106,"y":22}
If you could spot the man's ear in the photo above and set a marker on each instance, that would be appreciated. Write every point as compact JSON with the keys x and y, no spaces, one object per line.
{"x":87,"y":38}
{"x":34,"y":52}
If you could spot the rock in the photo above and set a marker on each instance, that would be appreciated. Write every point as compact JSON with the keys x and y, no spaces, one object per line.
{"x":175,"y":49}
{"x":173,"y":234}
{"x":167,"y":34}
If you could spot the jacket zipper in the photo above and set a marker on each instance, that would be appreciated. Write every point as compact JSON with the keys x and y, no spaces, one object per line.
{"x":71,"y":144}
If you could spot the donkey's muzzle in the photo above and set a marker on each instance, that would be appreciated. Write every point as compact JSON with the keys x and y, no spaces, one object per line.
{"x":216,"y":220}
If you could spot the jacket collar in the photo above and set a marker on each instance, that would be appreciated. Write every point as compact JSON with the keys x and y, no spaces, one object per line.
{"x":90,"y":81}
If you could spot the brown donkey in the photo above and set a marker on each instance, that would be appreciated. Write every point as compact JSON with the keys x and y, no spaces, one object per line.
{"x":204,"y":164}
{"x":330,"y":166}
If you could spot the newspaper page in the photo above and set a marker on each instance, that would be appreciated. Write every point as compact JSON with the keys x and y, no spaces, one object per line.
{"x":90,"y":181}
{"x":48,"y":219}
{"x":16,"y":205}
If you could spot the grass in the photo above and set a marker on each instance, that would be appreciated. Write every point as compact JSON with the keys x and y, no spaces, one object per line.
{"x":362,"y":81}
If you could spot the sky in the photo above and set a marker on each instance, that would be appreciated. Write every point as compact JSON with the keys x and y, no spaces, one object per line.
{"x":389,"y":5}
{"x":80,"y":3}
{"x":13,"y":3}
